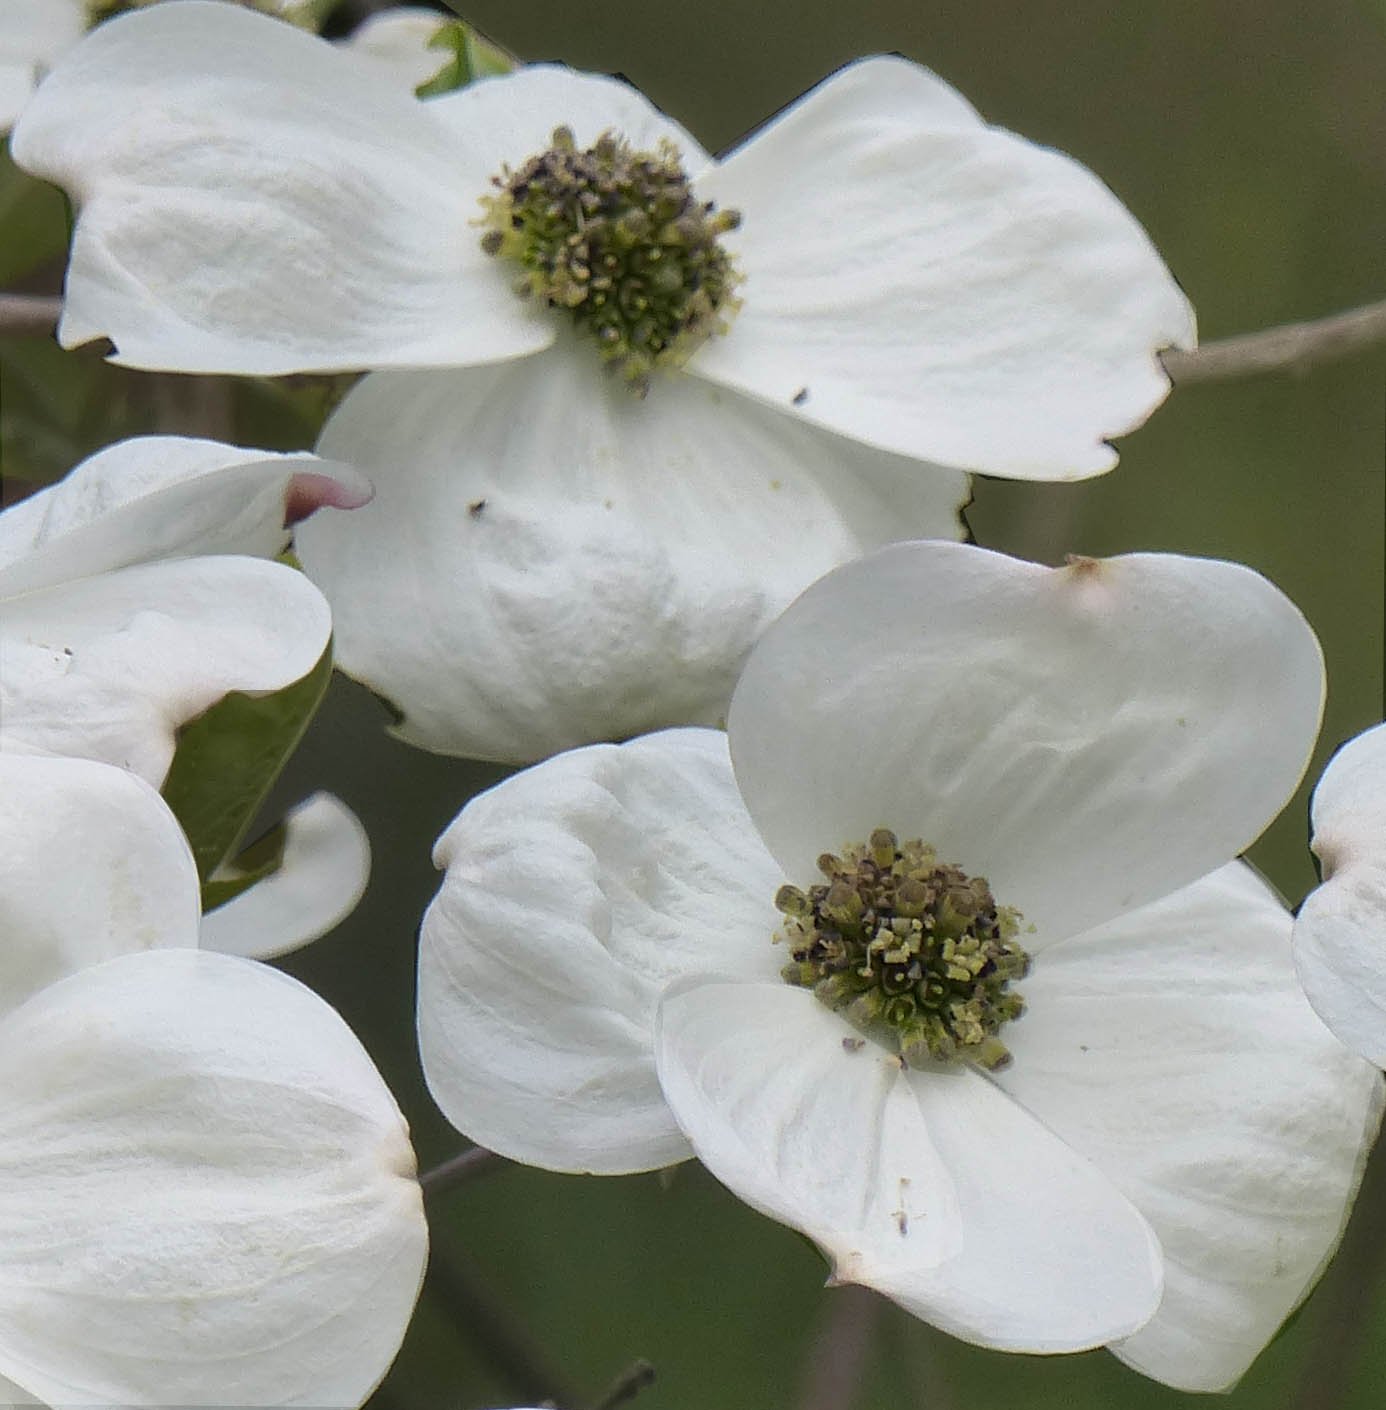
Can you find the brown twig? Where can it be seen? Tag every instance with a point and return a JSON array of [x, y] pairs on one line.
[[454, 1286], [627, 1385], [194, 406], [1292, 347], [1334, 1361], [833, 1372], [459, 1169], [29, 315]]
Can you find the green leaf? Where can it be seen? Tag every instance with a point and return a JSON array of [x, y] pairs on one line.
[[261, 859], [472, 56], [313, 14], [225, 762], [57, 407], [33, 220]]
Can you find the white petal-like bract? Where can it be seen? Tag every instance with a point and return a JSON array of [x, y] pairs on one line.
[[322, 874], [937, 287], [346, 242], [1077, 735], [1175, 1048], [1340, 932], [207, 1195], [32, 35], [573, 894], [400, 40], [514, 116], [92, 865], [109, 667], [931, 1187], [548, 561], [154, 497]]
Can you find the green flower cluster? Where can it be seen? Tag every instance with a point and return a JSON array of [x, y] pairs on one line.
[[616, 236], [911, 951]]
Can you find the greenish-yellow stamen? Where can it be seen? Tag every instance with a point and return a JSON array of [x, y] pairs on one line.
[[616, 237], [910, 950]]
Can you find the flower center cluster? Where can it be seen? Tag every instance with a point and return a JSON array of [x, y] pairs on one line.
[[616, 236], [910, 950]]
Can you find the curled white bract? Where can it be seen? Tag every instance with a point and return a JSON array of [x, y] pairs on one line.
[[135, 593]]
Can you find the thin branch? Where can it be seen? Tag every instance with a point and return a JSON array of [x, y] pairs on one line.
[[460, 1169], [194, 406], [1333, 1365], [1292, 347], [29, 315], [834, 1371], [452, 1284], [627, 1385], [920, 1351]]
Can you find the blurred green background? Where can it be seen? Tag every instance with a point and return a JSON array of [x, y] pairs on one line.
[[1250, 138]]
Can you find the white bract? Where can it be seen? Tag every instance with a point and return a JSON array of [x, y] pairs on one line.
[[32, 35], [1340, 932], [1168, 1160], [207, 1194], [910, 295], [134, 594], [400, 40], [130, 602], [322, 874]]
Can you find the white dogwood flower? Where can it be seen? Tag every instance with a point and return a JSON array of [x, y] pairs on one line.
[[207, 1194], [833, 323], [953, 780], [1340, 932], [931, 285], [134, 594]]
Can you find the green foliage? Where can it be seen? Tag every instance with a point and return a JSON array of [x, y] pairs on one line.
[[224, 765], [56, 409], [472, 56], [33, 216], [262, 858]]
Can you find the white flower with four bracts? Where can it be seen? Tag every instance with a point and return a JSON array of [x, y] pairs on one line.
[[550, 559], [1340, 931], [135, 594], [207, 1193], [1166, 1164]]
